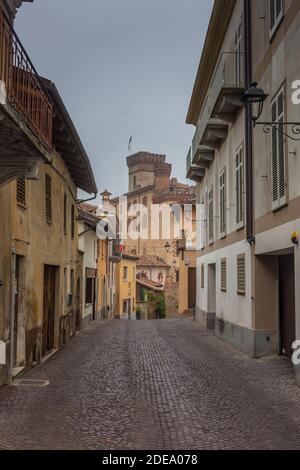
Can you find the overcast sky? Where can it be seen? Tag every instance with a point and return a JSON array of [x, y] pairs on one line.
[[122, 67]]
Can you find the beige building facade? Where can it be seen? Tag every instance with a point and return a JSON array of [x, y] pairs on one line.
[[40, 294], [247, 263]]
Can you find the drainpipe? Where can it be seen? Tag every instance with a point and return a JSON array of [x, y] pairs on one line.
[[248, 125], [12, 313]]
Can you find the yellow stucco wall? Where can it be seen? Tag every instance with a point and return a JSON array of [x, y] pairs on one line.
[[27, 233], [126, 289]]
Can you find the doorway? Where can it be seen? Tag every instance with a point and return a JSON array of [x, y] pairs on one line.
[[212, 293], [49, 308], [19, 314], [192, 285], [78, 306], [287, 321]]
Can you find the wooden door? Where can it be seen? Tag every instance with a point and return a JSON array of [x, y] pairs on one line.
[[16, 314], [191, 287], [287, 304], [48, 308]]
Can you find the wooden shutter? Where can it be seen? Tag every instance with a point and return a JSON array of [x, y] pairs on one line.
[[239, 177], [223, 274], [73, 222], [278, 153], [21, 191], [65, 213], [223, 202], [48, 198], [202, 276], [211, 214], [241, 274]]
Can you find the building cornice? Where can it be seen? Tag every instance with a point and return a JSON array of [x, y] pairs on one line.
[[219, 22]]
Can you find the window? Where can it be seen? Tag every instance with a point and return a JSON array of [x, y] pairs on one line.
[[134, 182], [48, 198], [223, 274], [65, 214], [238, 56], [239, 183], [241, 274], [202, 276], [276, 15], [279, 197], [223, 203], [125, 273], [211, 214], [177, 275], [73, 222], [21, 191]]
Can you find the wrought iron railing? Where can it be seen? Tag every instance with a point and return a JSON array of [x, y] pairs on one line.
[[229, 73], [24, 89]]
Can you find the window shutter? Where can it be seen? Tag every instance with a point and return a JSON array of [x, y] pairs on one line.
[[65, 214], [239, 169], [276, 14], [73, 222], [223, 274], [223, 202], [241, 274], [48, 198], [278, 153], [21, 191], [202, 276], [211, 214]]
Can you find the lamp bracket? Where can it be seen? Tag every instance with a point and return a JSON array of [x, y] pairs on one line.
[[293, 132]]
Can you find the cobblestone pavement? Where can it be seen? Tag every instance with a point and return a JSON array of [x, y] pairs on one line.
[[152, 385]]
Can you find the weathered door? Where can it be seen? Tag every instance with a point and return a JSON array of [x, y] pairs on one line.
[[287, 303], [48, 308], [16, 317], [191, 287]]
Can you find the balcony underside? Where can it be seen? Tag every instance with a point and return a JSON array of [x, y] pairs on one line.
[[203, 156], [214, 134], [195, 173], [228, 103], [20, 150]]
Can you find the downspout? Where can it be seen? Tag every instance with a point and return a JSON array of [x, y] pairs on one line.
[[12, 312], [248, 125]]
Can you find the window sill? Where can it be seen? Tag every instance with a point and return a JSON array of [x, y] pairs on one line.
[[240, 226]]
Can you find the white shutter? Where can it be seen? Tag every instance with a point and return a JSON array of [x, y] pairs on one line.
[[279, 186], [223, 202], [276, 14]]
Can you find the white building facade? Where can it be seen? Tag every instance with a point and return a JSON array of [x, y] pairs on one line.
[[249, 207]]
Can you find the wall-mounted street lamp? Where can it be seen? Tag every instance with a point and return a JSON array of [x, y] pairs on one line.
[[254, 99], [167, 247]]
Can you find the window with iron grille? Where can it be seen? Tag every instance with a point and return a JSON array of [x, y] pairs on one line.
[[73, 222], [202, 276], [211, 214], [65, 214], [48, 198], [239, 182], [223, 274], [21, 191], [241, 274], [223, 213], [276, 14], [279, 193]]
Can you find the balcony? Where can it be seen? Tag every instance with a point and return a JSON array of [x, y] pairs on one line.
[[193, 172], [209, 134], [26, 110], [228, 86]]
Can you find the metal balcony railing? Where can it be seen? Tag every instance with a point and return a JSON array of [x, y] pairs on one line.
[[229, 74], [24, 89], [189, 161], [203, 122]]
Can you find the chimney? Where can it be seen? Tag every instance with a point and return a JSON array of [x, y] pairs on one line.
[[162, 173]]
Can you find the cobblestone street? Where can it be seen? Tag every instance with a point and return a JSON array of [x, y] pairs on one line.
[[152, 385]]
